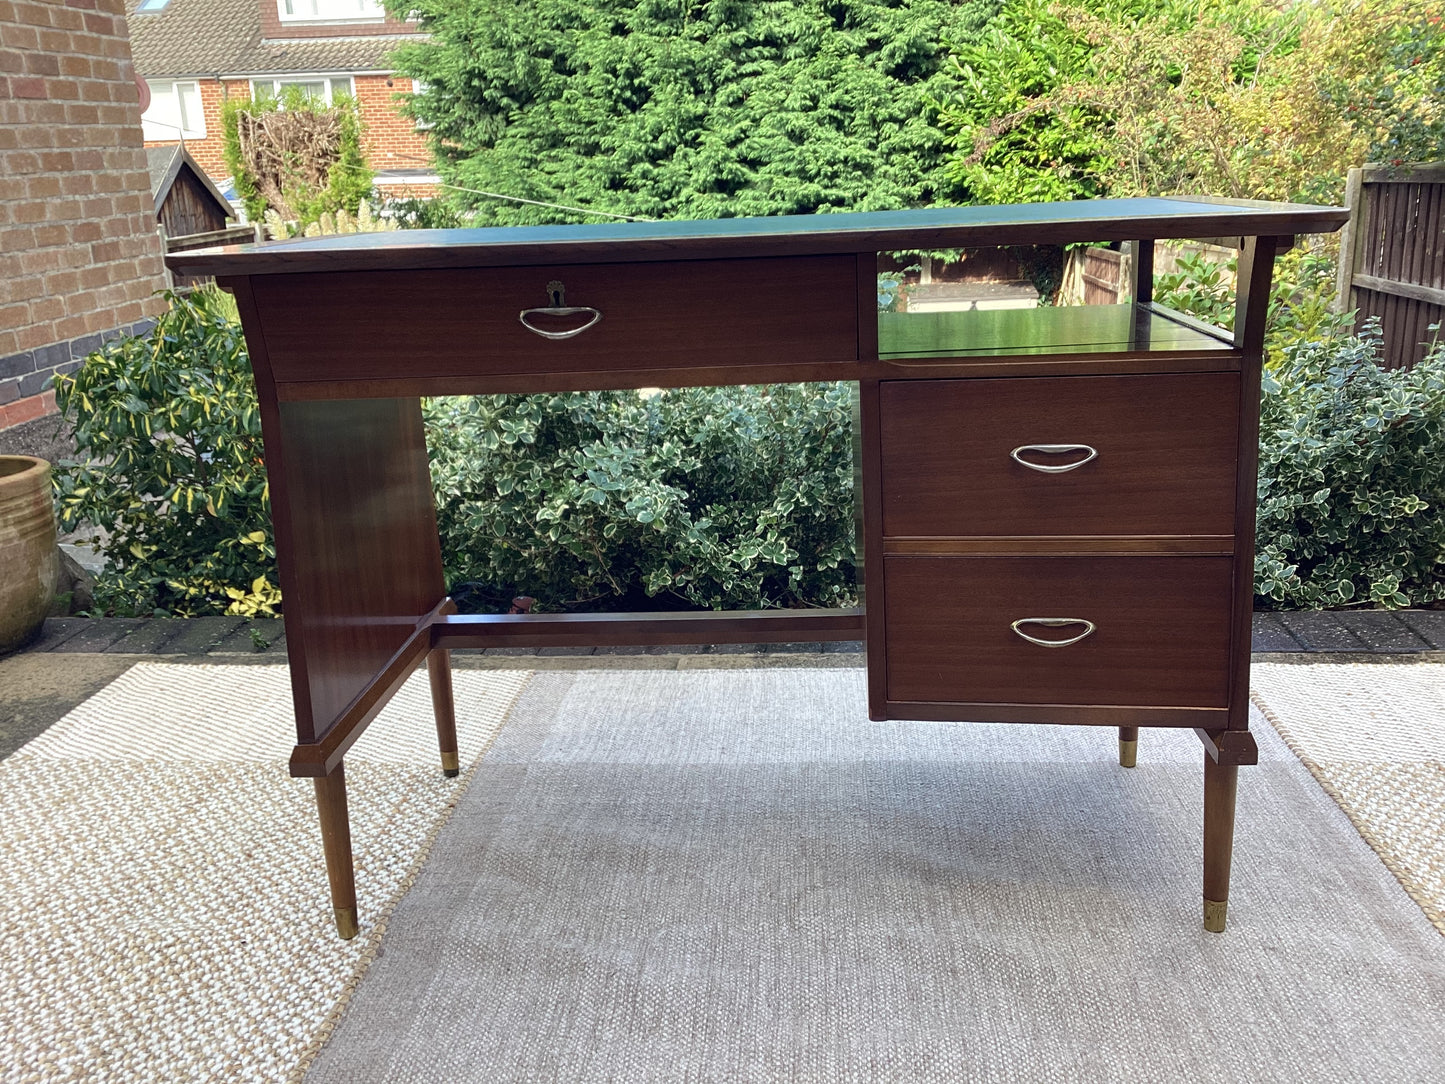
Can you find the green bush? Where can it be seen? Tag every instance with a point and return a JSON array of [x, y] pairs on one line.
[[169, 466], [1301, 296], [738, 498], [1351, 478], [295, 156]]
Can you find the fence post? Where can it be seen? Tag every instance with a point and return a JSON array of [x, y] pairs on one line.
[[1350, 241]]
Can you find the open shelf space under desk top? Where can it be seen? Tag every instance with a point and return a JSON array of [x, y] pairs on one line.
[[1075, 329]]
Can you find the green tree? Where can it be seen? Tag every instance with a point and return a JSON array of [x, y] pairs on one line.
[[686, 108], [1246, 98], [295, 156], [1011, 143]]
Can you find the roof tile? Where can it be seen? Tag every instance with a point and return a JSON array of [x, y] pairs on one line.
[[223, 37]]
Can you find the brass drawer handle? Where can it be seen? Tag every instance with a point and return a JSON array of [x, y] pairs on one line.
[[1053, 449], [1053, 622], [556, 294]]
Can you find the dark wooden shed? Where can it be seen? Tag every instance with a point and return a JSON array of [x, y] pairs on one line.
[[190, 208], [186, 200]]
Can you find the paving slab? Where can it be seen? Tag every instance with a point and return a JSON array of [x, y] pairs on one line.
[[843, 647], [38, 688], [566, 651], [272, 633], [152, 636], [202, 634], [57, 630], [1429, 625], [1382, 631], [1321, 631], [98, 634], [736, 649], [776, 660], [1271, 635]]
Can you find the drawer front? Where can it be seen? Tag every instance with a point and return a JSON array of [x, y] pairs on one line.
[[380, 324], [1161, 635], [1166, 449]]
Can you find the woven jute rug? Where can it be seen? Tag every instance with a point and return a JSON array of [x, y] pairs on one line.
[[164, 915], [1374, 737], [735, 876]]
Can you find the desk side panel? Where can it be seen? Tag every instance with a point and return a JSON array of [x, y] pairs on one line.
[[364, 561]]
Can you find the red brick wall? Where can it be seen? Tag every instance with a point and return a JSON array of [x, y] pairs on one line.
[[77, 223], [391, 141]]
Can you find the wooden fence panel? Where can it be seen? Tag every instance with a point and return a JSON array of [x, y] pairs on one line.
[[230, 235], [1103, 277], [1392, 255]]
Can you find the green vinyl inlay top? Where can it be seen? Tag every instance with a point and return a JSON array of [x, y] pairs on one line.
[[922, 228]]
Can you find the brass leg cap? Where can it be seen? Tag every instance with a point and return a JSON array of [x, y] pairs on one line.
[[346, 925], [451, 764], [1214, 915], [1128, 753]]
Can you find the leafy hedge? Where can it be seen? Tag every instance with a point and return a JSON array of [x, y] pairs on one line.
[[169, 466], [1351, 478], [704, 497], [738, 498]]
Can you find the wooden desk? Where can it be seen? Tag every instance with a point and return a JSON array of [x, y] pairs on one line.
[[1008, 579]]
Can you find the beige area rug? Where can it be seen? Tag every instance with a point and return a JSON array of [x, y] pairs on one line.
[[735, 876], [1374, 737], [164, 915]]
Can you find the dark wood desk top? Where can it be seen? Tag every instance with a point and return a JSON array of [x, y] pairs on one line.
[[877, 231]]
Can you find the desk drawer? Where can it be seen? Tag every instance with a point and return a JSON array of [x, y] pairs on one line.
[[1161, 636], [1165, 466], [388, 324]]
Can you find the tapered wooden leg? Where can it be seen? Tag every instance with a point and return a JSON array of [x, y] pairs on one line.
[[336, 841], [1220, 781], [443, 706], [1128, 746]]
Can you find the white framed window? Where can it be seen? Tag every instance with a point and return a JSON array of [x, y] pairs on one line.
[[320, 87], [330, 11], [418, 87], [175, 112]]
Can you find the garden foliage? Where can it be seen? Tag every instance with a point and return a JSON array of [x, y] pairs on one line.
[[738, 498], [1351, 479], [169, 466], [685, 108], [295, 157], [1244, 98], [1301, 298], [705, 497]]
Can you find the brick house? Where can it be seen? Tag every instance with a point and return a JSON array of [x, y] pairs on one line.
[[81, 255], [194, 54]]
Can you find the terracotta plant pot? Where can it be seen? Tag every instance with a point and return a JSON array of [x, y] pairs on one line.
[[29, 561]]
